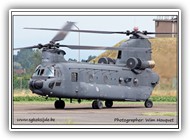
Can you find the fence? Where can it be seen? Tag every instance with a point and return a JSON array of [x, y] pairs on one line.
[[20, 83]]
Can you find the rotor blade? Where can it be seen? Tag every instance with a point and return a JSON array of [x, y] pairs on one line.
[[142, 35], [98, 32], [103, 48], [84, 31], [63, 33], [29, 47], [159, 33], [92, 47], [95, 31]]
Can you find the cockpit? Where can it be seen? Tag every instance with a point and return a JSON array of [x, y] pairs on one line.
[[49, 71], [49, 75], [44, 71]]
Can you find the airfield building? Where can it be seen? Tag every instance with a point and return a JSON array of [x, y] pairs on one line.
[[166, 24]]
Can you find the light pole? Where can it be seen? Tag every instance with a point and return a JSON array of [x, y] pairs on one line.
[[78, 42]]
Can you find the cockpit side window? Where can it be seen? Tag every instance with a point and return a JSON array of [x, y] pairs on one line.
[[37, 71], [42, 72], [58, 72]]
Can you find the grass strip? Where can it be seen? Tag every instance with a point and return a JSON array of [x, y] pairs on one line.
[[40, 98], [171, 114]]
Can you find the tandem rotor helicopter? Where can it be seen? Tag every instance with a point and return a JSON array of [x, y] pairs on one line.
[[128, 78]]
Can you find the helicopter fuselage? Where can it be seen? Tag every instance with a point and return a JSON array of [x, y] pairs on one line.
[[127, 77], [93, 81]]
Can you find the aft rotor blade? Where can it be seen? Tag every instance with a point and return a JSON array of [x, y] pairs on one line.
[[159, 33], [142, 35], [100, 32], [84, 31], [63, 32]]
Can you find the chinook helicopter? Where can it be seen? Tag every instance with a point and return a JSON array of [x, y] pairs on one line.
[[128, 78]]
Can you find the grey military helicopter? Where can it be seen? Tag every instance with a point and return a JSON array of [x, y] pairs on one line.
[[128, 78]]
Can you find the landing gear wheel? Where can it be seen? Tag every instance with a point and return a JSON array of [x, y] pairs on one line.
[[109, 103], [97, 104], [148, 104], [94, 104], [59, 104]]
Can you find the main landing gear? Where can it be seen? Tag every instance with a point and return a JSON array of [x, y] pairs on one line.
[[108, 103], [97, 104], [59, 104]]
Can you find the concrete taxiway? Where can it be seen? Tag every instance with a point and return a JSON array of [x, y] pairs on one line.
[[120, 113]]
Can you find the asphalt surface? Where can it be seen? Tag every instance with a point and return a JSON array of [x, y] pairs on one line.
[[120, 113]]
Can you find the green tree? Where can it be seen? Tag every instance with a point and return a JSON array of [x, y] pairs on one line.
[[17, 65], [24, 57], [36, 60], [28, 59], [90, 58], [74, 60]]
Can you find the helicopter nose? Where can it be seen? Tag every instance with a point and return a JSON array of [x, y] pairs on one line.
[[38, 84]]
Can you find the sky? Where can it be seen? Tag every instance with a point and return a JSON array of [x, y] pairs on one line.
[[24, 38]]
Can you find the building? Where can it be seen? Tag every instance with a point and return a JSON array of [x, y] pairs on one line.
[[19, 71], [166, 24]]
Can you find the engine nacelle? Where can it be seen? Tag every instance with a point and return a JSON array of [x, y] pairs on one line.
[[106, 60], [136, 63]]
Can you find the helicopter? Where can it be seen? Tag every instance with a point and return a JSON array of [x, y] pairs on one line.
[[129, 77]]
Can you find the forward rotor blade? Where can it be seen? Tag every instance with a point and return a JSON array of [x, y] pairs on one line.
[[84, 31], [63, 33], [98, 32], [92, 47], [29, 47], [101, 48]]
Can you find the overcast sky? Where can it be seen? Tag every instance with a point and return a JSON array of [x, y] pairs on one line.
[[23, 37]]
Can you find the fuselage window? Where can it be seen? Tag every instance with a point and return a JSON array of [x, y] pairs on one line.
[[105, 79], [119, 54], [74, 76]]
